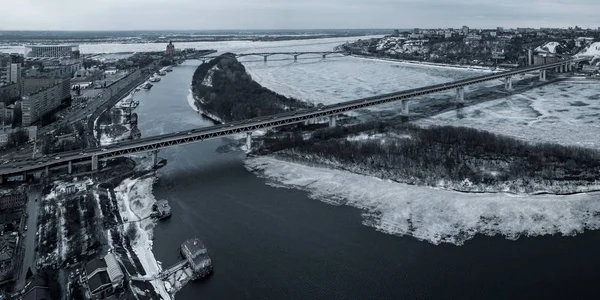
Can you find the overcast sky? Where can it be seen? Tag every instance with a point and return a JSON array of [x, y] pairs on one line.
[[293, 14]]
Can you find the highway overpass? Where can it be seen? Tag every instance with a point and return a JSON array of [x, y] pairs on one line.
[[155, 143]]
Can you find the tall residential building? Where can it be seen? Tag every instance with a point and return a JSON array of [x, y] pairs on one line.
[[14, 73], [465, 30], [42, 95]]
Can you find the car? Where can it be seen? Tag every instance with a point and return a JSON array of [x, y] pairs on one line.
[[57, 158], [190, 132], [103, 149], [25, 228]]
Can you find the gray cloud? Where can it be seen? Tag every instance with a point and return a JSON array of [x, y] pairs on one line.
[[293, 14]]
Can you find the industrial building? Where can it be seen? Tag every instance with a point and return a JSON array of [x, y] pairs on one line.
[[103, 276]]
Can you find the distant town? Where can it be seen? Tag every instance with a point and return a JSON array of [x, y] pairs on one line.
[[483, 47]]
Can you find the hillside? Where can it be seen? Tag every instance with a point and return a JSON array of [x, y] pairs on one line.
[[223, 88]]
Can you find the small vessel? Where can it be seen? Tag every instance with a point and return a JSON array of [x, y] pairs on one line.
[[161, 209], [168, 69], [194, 251], [154, 79], [162, 73], [147, 86]]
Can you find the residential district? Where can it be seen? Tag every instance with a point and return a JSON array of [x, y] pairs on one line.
[[50, 96]]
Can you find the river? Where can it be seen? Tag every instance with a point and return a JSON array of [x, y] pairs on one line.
[[278, 243]]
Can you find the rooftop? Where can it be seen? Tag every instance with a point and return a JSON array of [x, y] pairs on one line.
[[98, 280], [194, 246], [94, 264]]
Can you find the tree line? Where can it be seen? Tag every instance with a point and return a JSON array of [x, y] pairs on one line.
[[233, 95], [427, 155]]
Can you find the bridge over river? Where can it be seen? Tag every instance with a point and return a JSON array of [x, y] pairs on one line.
[[154, 143]]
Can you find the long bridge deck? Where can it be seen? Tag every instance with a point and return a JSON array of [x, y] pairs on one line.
[[155, 143]]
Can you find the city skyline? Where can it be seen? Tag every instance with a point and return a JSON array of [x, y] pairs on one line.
[[279, 14]]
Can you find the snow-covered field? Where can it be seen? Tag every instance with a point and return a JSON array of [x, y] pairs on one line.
[[567, 113], [433, 215]]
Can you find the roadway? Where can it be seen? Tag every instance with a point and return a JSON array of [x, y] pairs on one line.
[[282, 119], [29, 236]]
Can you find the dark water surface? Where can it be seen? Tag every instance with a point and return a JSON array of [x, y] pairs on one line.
[[276, 243]]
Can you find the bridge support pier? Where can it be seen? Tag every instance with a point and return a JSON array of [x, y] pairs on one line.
[[508, 83], [542, 75], [404, 104], [295, 57], [265, 57], [70, 168], [94, 162], [557, 69], [154, 158], [248, 141], [324, 56], [47, 171], [332, 121], [460, 94]]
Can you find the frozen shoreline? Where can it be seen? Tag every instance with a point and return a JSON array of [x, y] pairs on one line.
[[427, 64], [135, 200], [192, 102], [434, 215]]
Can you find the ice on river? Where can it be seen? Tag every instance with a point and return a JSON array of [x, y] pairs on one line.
[[433, 215], [566, 113]]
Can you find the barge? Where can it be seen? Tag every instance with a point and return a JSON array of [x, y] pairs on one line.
[[161, 209], [196, 254]]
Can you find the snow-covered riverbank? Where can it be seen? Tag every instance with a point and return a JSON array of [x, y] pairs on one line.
[[135, 200], [433, 215]]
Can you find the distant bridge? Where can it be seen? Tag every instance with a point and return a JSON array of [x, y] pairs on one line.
[[323, 54], [154, 143]]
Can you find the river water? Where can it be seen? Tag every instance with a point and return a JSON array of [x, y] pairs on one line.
[[277, 243]]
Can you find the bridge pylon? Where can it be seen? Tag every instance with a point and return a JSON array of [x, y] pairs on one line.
[[94, 162], [249, 141], [460, 94], [404, 105], [332, 121], [542, 75], [508, 83], [154, 158]]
